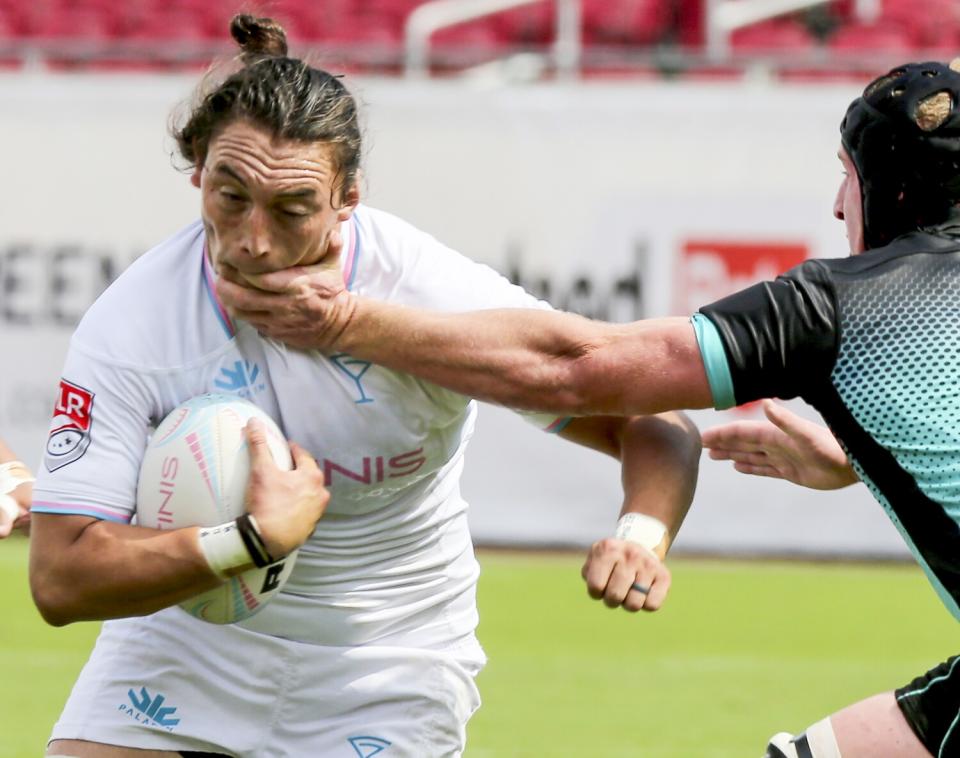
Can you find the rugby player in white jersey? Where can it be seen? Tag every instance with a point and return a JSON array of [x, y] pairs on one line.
[[371, 647]]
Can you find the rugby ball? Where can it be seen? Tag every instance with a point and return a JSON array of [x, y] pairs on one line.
[[194, 473]]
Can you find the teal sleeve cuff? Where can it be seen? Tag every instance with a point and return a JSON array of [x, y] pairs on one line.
[[715, 361]]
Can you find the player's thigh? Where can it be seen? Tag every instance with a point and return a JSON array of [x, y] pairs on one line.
[[85, 749], [874, 727]]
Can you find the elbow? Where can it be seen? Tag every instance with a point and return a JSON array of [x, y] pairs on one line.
[[55, 603], [688, 433]]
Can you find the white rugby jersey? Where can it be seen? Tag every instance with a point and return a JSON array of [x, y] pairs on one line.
[[391, 561]]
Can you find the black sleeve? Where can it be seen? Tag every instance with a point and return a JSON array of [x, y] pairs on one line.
[[780, 337]]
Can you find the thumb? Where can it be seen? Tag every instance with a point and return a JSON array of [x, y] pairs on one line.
[[256, 435], [787, 421]]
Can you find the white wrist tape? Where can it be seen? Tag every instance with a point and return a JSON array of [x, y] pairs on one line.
[[640, 528], [9, 507], [224, 549], [12, 475]]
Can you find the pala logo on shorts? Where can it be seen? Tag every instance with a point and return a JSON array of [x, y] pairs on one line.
[[70, 429], [367, 747], [149, 709]]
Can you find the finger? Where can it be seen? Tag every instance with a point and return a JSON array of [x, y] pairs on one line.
[[658, 590], [598, 566], [260, 455], [278, 282], [621, 580], [637, 594], [244, 298], [747, 468], [719, 454], [596, 574], [785, 420], [739, 434], [754, 459], [302, 460]]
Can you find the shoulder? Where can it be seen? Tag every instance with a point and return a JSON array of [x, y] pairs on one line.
[[153, 313], [386, 237]]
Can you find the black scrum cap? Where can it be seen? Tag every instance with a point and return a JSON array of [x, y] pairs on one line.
[[903, 135]]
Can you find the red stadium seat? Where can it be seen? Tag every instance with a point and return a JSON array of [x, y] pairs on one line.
[[880, 37], [773, 36], [479, 35], [531, 24], [931, 23], [76, 23], [637, 22]]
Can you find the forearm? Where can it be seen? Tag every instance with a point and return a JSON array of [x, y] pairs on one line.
[[537, 360], [660, 461], [106, 570]]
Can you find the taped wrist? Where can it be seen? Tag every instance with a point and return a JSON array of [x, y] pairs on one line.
[[643, 529], [232, 547], [12, 475], [9, 507]]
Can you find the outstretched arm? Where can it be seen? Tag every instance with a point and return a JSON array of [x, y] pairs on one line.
[[529, 359], [785, 446]]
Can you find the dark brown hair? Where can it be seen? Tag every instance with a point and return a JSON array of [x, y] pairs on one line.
[[285, 96]]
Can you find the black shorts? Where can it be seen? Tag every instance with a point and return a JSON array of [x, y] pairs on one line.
[[931, 705]]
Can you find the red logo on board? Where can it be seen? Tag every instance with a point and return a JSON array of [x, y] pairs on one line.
[[711, 269]]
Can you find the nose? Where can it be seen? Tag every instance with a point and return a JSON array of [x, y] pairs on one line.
[[256, 237], [838, 201]]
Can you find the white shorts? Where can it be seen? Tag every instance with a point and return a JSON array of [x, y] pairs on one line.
[[170, 682]]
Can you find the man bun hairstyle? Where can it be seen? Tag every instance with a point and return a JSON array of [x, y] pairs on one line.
[[258, 37], [284, 96], [903, 136]]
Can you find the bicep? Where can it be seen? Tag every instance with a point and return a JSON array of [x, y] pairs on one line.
[[643, 368]]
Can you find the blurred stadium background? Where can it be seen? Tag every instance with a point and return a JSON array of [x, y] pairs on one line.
[[622, 158]]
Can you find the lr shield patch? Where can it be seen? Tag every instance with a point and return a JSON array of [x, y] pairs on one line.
[[69, 435]]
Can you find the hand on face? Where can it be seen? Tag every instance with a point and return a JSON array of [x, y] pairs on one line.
[[302, 306]]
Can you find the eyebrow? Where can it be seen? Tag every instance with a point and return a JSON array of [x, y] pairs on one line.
[[305, 192]]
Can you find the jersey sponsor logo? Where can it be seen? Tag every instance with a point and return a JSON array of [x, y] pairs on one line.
[[240, 378], [69, 435], [367, 747], [354, 368], [149, 710], [711, 269], [375, 469], [168, 481]]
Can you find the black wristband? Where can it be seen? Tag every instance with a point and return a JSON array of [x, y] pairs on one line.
[[252, 539]]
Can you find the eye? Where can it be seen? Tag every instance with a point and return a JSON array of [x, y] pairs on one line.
[[231, 196]]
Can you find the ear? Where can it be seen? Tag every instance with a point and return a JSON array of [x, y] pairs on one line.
[[351, 198], [195, 176]]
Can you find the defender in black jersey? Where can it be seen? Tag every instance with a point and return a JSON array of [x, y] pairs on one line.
[[872, 341]]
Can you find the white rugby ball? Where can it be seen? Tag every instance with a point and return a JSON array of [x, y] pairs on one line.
[[194, 473]]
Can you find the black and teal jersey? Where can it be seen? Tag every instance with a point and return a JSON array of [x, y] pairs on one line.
[[873, 343]]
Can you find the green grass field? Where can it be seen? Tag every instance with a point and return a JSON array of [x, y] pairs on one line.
[[741, 650]]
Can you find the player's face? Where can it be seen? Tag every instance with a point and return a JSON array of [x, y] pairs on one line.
[[268, 203], [848, 207]]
